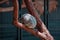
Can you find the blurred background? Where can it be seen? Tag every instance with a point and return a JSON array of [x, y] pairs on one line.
[[50, 17]]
